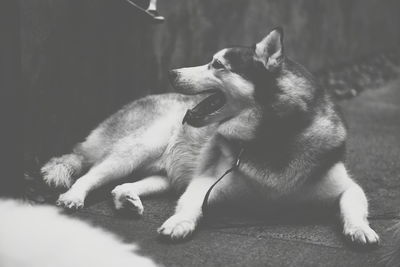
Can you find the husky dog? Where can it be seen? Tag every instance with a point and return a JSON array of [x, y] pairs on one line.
[[253, 99]]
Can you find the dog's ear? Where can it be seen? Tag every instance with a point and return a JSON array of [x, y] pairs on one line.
[[269, 50]]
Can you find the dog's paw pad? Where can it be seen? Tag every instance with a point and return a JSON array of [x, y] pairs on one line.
[[70, 201], [363, 235], [125, 199], [177, 228]]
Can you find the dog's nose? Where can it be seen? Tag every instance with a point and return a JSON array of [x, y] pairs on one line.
[[172, 74]]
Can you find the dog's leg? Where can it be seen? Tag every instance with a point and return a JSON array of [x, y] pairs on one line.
[[354, 212], [188, 210], [62, 171], [127, 155], [353, 206], [353, 203], [128, 195], [111, 168], [124, 160], [215, 161]]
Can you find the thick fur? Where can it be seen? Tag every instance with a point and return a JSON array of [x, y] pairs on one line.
[[39, 236], [291, 132]]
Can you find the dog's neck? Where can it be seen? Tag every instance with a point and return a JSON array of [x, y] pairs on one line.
[[242, 127], [262, 136]]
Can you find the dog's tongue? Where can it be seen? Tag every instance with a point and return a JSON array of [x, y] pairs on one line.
[[209, 105]]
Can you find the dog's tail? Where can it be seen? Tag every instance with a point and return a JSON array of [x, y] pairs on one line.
[[61, 171], [391, 256]]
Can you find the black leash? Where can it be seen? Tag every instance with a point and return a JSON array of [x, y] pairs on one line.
[[235, 166]]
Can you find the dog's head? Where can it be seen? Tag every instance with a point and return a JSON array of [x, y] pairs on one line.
[[237, 79]]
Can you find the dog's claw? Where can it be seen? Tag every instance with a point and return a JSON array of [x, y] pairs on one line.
[[362, 235], [70, 200], [124, 197], [176, 228]]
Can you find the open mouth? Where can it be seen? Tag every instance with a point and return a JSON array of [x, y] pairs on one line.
[[196, 116]]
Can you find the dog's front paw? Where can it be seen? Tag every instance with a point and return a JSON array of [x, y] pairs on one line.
[[361, 234], [177, 227], [124, 197], [71, 200]]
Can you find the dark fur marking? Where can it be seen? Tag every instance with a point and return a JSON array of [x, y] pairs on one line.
[[280, 129]]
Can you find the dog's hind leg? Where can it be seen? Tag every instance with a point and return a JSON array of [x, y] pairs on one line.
[[111, 168], [127, 156], [127, 196], [62, 171]]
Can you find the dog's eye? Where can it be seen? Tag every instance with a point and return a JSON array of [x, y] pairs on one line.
[[216, 64]]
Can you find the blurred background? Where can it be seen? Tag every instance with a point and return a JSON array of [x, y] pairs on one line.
[[82, 60]]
